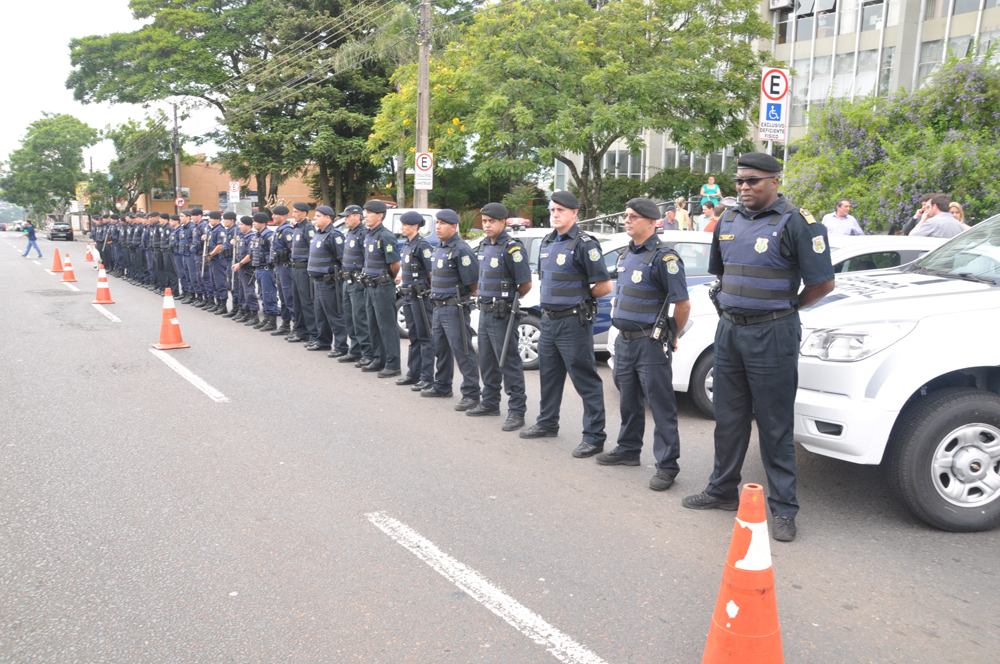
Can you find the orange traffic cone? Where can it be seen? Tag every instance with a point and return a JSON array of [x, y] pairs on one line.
[[68, 270], [56, 263], [745, 625], [103, 292], [170, 329], [89, 255]]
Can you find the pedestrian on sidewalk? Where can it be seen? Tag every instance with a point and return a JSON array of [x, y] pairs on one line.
[[29, 230], [840, 222]]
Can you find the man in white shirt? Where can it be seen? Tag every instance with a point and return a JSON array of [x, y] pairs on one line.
[[840, 221], [938, 222]]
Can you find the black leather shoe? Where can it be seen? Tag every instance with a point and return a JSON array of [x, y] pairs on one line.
[[349, 358], [422, 385], [481, 410], [407, 380], [337, 353], [431, 393], [703, 501], [363, 362], [388, 373], [612, 459], [317, 347], [584, 450], [371, 367], [784, 528], [513, 423], [295, 340], [465, 403], [535, 431], [661, 481]]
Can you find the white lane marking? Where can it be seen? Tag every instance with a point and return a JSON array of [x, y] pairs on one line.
[[50, 272], [472, 582], [190, 377], [111, 316], [36, 263], [70, 286]]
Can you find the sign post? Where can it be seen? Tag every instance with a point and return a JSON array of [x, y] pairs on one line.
[[423, 172], [772, 125], [179, 202], [234, 192]]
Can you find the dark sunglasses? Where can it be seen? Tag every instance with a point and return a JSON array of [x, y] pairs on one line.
[[753, 182]]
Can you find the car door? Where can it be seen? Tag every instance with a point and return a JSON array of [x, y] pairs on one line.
[[876, 260]]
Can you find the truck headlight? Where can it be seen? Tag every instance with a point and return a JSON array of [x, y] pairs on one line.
[[851, 343]]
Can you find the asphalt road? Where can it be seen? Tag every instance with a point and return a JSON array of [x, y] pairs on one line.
[[141, 521]]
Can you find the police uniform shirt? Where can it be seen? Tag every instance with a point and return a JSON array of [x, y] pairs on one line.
[[587, 257], [380, 236], [330, 241], [217, 235], [281, 243], [803, 243], [515, 258], [460, 256], [417, 257], [666, 271]]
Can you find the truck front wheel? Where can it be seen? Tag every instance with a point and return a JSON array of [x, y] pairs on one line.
[[944, 459]]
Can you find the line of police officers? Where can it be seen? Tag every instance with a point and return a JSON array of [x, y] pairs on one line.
[[337, 293]]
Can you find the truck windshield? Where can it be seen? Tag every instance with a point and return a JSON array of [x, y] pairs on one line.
[[973, 254]]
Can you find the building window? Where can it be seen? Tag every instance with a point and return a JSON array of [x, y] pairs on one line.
[[871, 15], [784, 28], [867, 76], [848, 16], [966, 6], [684, 159], [960, 46], [986, 40], [699, 163], [611, 162], [935, 9], [669, 157], [560, 183], [819, 89], [930, 57], [635, 165], [715, 161], [893, 15], [885, 70], [804, 20]]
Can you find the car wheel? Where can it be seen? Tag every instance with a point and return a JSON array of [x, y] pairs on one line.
[[401, 319], [944, 459], [701, 384], [529, 329]]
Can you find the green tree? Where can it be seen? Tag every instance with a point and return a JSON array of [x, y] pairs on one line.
[[535, 81], [885, 153], [42, 174], [143, 155]]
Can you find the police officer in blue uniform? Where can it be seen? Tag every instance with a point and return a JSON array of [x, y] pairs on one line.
[[232, 253], [187, 268], [503, 272], [414, 279], [761, 250], [262, 260], [113, 238], [572, 276], [146, 244], [244, 272], [281, 253], [155, 237], [454, 280], [169, 269], [174, 242], [200, 279], [325, 253], [361, 351], [215, 272], [650, 278], [302, 297], [379, 280]]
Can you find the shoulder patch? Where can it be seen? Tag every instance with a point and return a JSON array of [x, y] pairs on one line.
[[340, 240], [466, 261], [388, 247], [594, 255], [808, 217], [518, 257], [311, 232], [427, 253], [672, 266], [819, 246]]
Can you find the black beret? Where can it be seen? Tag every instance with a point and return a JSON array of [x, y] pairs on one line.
[[175, 217], [195, 212], [376, 206], [246, 220], [215, 214], [565, 199], [279, 209], [261, 218], [186, 213], [164, 215], [325, 209], [495, 210], [349, 210], [447, 216], [115, 217], [759, 161], [229, 215], [412, 218], [644, 207], [301, 207]]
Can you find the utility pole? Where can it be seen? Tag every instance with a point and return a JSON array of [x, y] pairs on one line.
[[423, 92], [177, 160]]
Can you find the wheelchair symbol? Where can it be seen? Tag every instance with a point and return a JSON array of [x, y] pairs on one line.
[[774, 112]]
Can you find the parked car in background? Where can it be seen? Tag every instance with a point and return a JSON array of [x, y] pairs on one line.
[[391, 221], [60, 230], [519, 223]]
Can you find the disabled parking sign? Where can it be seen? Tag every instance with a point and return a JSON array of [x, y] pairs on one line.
[[774, 99]]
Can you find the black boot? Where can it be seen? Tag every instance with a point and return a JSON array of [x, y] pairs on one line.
[[232, 313], [241, 316], [220, 307], [261, 321], [253, 318], [204, 302], [211, 305], [270, 325], [284, 329]]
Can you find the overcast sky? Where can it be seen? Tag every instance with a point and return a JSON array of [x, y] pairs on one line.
[[34, 51]]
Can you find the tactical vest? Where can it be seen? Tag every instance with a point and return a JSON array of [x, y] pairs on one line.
[[636, 297], [444, 272], [188, 238], [413, 271], [562, 284], [491, 271], [281, 244], [217, 236], [756, 275], [246, 244], [375, 260], [321, 261], [354, 249], [301, 241], [175, 240], [199, 245], [262, 248]]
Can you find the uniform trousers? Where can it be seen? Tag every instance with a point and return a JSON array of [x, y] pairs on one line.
[[756, 373], [170, 273], [420, 356], [218, 269], [268, 290], [150, 270], [643, 375], [181, 270], [356, 319], [380, 305], [286, 287], [248, 282], [564, 347], [491, 335], [192, 265], [303, 309], [235, 286], [449, 349], [330, 328]]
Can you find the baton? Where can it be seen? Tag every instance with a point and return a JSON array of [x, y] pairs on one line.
[[338, 284], [204, 251], [461, 318], [423, 312], [515, 307]]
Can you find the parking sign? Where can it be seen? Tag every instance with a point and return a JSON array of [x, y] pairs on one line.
[[774, 103], [423, 171]]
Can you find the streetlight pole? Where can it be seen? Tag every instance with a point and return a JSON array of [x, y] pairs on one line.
[[177, 160]]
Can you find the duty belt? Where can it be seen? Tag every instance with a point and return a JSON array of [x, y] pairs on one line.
[[450, 302], [753, 320], [556, 315], [282, 264], [636, 334], [300, 266]]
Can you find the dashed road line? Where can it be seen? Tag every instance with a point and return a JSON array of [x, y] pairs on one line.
[[70, 286], [111, 316], [562, 647], [190, 377]]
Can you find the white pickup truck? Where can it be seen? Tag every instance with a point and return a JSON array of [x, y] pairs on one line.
[[902, 366]]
